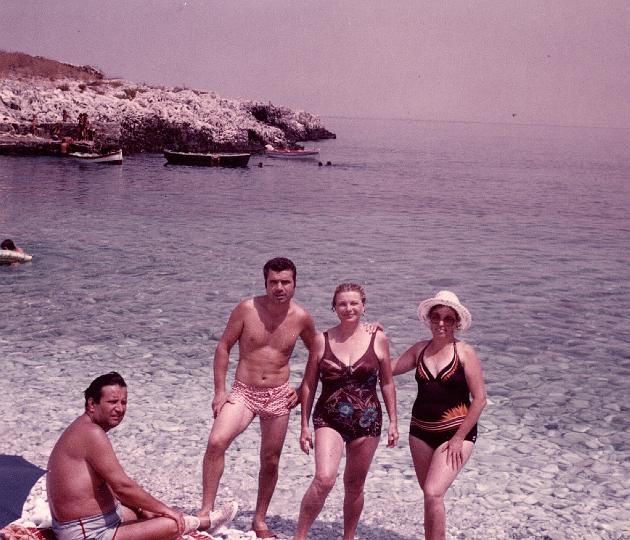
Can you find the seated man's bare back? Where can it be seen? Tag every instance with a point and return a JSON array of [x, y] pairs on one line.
[[75, 489]]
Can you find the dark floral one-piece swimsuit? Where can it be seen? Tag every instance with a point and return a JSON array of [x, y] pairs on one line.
[[348, 402]]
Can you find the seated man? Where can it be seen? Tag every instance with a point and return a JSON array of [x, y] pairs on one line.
[[86, 484]]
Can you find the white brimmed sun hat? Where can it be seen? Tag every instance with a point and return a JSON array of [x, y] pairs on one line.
[[449, 299]]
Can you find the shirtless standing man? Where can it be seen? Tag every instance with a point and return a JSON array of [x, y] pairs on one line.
[[86, 484], [266, 329]]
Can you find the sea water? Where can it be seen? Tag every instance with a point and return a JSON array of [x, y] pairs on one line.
[[136, 268]]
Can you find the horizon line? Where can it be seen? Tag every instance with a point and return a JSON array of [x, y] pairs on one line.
[[436, 121]]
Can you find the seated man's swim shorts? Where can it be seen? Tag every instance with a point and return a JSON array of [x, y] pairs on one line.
[[99, 527], [262, 401]]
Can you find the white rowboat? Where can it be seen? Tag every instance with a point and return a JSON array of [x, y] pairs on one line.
[[286, 153], [113, 158]]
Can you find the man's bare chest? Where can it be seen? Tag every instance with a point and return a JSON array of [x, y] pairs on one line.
[[280, 333]]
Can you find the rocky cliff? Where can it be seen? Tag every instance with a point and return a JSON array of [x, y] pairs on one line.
[[37, 112]]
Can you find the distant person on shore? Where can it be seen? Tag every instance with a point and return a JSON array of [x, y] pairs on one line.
[[64, 147], [444, 420], [83, 126], [266, 328], [87, 487], [347, 415], [55, 131]]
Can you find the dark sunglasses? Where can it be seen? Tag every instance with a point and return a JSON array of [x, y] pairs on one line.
[[449, 320]]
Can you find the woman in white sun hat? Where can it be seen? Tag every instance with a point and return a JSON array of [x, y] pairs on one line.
[[444, 419]]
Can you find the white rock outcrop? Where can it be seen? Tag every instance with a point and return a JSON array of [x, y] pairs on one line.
[[139, 117]]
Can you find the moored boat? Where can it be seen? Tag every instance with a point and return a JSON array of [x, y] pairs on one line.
[[217, 159], [113, 158], [290, 153]]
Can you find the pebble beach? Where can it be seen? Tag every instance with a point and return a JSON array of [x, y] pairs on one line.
[[519, 483], [545, 281]]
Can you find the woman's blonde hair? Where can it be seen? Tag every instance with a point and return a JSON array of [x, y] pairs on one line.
[[348, 287]]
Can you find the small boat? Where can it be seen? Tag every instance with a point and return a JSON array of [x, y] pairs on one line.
[[289, 153], [113, 158], [220, 159]]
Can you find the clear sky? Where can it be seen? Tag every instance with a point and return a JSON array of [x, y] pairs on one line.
[[564, 62]]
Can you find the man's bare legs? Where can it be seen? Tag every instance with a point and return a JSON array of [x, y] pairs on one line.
[[158, 528], [435, 477], [273, 431], [359, 454], [231, 422]]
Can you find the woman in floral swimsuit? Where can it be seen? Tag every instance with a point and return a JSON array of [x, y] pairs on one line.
[[349, 360]]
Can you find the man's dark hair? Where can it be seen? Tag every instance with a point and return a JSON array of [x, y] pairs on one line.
[[8, 244], [278, 265], [93, 391]]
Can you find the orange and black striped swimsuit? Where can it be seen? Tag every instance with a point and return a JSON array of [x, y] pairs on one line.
[[442, 402]]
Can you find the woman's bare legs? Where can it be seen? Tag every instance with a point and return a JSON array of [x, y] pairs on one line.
[[328, 451], [435, 477], [359, 454]]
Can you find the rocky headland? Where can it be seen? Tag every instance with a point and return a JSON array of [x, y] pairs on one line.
[[43, 101]]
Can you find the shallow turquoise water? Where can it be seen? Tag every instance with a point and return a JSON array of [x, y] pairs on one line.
[[529, 225]]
